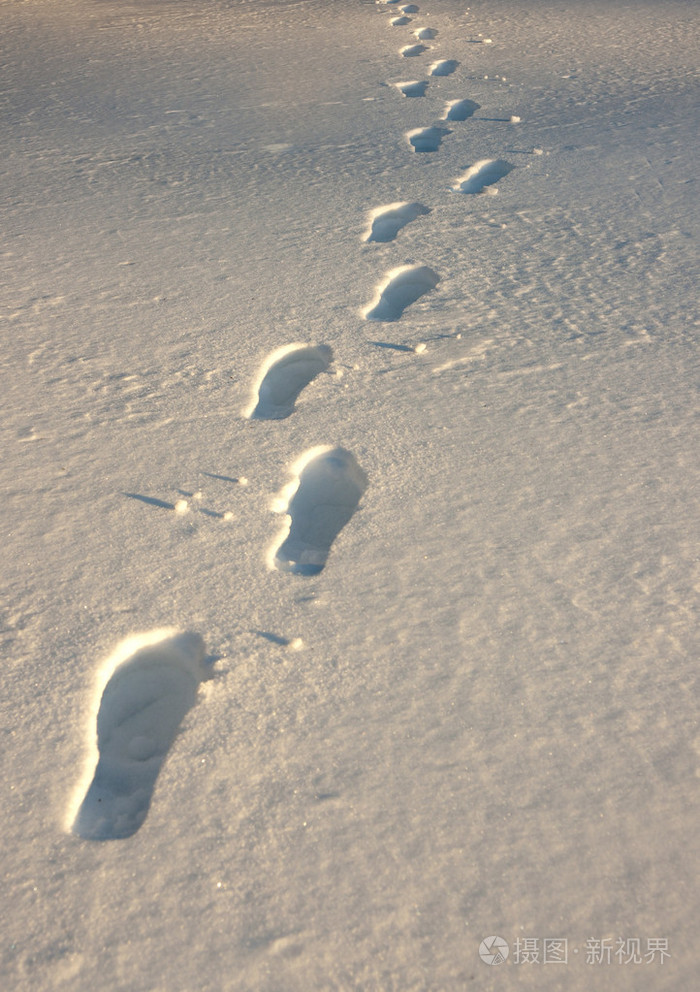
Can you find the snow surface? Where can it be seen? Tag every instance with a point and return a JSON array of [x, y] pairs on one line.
[[480, 718]]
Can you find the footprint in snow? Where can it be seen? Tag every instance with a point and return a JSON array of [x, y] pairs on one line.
[[425, 34], [426, 139], [397, 22], [460, 110], [329, 488], [444, 67], [153, 682], [410, 8], [410, 51], [386, 222], [413, 88], [283, 376], [482, 174], [402, 287]]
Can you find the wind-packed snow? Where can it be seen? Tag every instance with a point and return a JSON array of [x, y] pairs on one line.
[[454, 699]]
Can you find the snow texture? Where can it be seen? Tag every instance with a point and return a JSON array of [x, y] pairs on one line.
[[474, 714]]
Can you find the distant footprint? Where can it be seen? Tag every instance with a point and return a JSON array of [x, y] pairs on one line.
[[410, 8], [397, 22], [444, 67], [401, 288], [426, 139], [413, 88], [386, 222], [460, 110], [409, 51], [330, 486], [153, 683], [482, 174], [284, 375], [425, 34]]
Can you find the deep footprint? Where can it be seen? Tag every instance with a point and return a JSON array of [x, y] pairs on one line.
[[386, 222], [425, 34], [413, 88], [426, 139], [445, 67], [402, 287], [398, 22], [409, 51], [482, 174], [331, 484], [153, 684], [284, 375], [461, 110]]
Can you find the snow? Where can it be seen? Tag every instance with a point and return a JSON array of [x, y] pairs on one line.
[[479, 716]]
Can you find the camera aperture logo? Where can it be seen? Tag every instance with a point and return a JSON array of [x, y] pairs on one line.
[[493, 950]]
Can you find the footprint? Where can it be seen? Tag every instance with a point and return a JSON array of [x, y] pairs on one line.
[[410, 8], [426, 139], [409, 51], [386, 222], [153, 683], [413, 88], [286, 372], [460, 110], [482, 174], [445, 67], [402, 287], [397, 22], [330, 486], [425, 34]]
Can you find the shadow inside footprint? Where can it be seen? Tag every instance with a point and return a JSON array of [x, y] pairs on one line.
[[445, 67], [410, 51], [331, 484], [284, 375], [413, 88], [482, 174], [386, 222], [402, 287], [461, 110], [148, 693], [427, 139]]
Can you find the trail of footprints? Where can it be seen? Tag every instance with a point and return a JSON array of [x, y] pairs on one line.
[[152, 681]]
